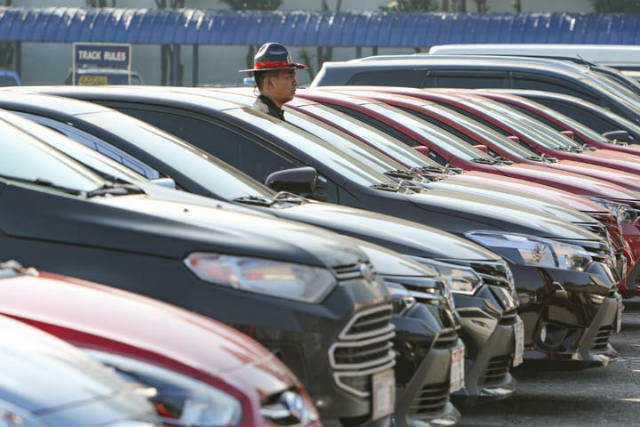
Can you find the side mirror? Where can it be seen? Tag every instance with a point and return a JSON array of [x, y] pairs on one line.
[[165, 182], [482, 148], [568, 133], [514, 139], [618, 135], [298, 180], [422, 149]]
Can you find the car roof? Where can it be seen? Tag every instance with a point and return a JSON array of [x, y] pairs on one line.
[[168, 95], [59, 105]]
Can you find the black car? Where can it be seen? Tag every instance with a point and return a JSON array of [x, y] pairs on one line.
[[205, 175], [486, 72], [259, 145], [305, 293]]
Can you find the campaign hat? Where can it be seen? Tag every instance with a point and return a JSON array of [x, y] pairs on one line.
[[272, 56]]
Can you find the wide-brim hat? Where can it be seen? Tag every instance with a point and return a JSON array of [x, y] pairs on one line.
[[272, 56]]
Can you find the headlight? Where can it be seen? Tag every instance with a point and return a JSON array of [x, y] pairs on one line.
[[461, 280], [536, 251], [623, 211], [279, 279], [180, 400], [401, 297], [14, 416]]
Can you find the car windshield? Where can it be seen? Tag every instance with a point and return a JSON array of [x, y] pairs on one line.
[[483, 131], [88, 157], [218, 177], [613, 90], [374, 137], [443, 139], [531, 128], [298, 139], [621, 121], [579, 127], [344, 142], [23, 157]]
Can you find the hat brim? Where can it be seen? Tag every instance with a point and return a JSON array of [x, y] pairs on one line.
[[289, 66]]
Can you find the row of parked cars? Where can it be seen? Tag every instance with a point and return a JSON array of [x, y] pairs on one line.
[[385, 250]]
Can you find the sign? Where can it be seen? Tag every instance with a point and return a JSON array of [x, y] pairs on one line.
[[101, 63]]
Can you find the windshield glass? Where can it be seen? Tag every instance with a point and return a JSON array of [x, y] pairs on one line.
[[343, 142], [298, 139], [443, 139], [218, 177], [88, 157], [24, 157], [376, 138], [614, 90], [579, 127], [485, 132], [531, 128]]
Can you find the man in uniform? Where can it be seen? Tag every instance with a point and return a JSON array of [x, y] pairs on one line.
[[275, 77]]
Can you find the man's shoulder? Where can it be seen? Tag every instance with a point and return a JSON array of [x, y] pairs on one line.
[[260, 105]]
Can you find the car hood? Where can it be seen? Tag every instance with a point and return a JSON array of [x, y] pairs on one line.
[[137, 223], [403, 236], [625, 179], [469, 213], [540, 191], [82, 313], [510, 195], [616, 157], [41, 373], [584, 184]]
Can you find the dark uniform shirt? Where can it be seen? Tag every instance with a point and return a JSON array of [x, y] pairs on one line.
[[266, 105]]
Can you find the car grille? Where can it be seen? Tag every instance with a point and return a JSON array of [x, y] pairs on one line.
[[509, 317], [497, 370], [495, 273], [447, 339], [432, 399], [602, 338], [600, 251], [277, 409], [352, 271], [363, 348]]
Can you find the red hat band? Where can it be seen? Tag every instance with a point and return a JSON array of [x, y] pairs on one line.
[[272, 64]]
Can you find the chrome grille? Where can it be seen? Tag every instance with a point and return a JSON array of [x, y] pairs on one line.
[[602, 338], [497, 370], [432, 399], [509, 317], [363, 348], [351, 271], [447, 339], [596, 228], [600, 251], [495, 273]]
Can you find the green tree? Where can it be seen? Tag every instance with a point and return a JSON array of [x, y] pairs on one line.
[[411, 6], [616, 6]]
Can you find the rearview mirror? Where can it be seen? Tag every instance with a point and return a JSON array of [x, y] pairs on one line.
[[422, 149], [568, 133], [482, 148], [618, 135], [298, 180]]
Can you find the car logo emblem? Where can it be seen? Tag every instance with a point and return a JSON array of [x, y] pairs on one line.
[[366, 272], [294, 403]]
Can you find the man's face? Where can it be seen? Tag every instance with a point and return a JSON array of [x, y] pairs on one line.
[[282, 86]]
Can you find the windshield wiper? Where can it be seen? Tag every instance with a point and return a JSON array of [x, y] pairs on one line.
[[503, 160], [484, 161], [285, 196], [386, 187], [254, 200], [109, 189], [45, 183], [399, 173]]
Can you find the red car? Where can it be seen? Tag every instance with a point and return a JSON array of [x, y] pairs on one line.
[[205, 373], [447, 148], [554, 119]]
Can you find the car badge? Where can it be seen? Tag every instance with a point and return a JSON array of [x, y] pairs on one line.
[[366, 272], [294, 404]]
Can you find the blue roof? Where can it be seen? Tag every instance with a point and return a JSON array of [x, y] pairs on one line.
[[302, 28]]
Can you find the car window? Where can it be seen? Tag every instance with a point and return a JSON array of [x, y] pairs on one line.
[[134, 168], [200, 166], [371, 135], [44, 162], [466, 79], [411, 78], [533, 81], [583, 115]]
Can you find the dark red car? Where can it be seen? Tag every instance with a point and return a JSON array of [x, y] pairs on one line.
[[446, 148], [205, 373]]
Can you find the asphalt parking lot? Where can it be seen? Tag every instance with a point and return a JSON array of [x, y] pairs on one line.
[[590, 397]]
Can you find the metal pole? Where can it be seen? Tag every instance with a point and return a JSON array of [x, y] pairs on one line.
[[194, 65], [19, 59], [359, 52], [374, 50], [175, 64]]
